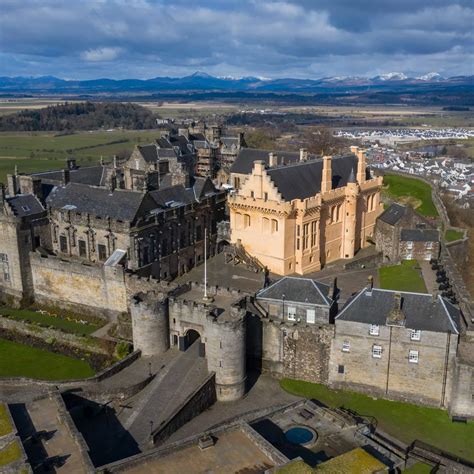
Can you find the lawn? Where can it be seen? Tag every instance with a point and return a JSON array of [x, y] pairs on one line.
[[412, 191], [403, 277], [21, 360], [72, 325], [5, 424], [451, 235], [10, 453], [42, 151], [404, 421], [418, 468]]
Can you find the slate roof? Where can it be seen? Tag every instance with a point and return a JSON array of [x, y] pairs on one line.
[[166, 153], [197, 137], [24, 205], [420, 310], [297, 290], [419, 235], [393, 214], [91, 175], [243, 163], [149, 153], [119, 204], [229, 141], [179, 194], [303, 179]]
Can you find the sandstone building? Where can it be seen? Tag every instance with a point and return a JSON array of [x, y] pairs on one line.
[[296, 218]]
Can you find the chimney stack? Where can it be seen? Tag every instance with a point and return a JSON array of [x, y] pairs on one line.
[[326, 179], [3, 195], [303, 154], [370, 285], [259, 167], [71, 164], [115, 162], [272, 160], [65, 177], [361, 165]]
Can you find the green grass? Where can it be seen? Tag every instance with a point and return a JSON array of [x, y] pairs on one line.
[[412, 191], [21, 360], [71, 326], [418, 468], [404, 421], [451, 235], [42, 151], [10, 453], [5, 424], [403, 277]]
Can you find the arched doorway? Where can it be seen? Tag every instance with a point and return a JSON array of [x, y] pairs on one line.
[[191, 337]]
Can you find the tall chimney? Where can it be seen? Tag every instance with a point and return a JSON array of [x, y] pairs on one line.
[[65, 177], [115, 162], [303, 154], [258, 167], [370, 284], [326, 179], [361, 166], [272, 160]]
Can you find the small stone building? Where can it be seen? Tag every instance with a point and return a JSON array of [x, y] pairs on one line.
[[396, 345], [403, 234]]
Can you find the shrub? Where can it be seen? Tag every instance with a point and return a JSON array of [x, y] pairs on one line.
[[122, 350]]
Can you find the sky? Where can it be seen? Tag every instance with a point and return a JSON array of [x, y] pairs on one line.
[[85, 39]]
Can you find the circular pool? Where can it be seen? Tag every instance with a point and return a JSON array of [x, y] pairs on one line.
[[300, 435]]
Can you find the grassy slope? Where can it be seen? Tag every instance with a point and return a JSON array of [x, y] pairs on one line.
[[399, 187], [44, 151], [452, 235], [402, 420], [10, 453], [72, 327], [5, 425], [19, 360], [403, 277]]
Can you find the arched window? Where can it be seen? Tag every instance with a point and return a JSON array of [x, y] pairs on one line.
[[238, 221], [246, 220], [338, 213], [274, 225], [266, 225]]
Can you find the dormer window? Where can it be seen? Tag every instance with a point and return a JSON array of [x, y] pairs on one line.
[[25, 208], [409, 244], [346, 346], [374, 330], [415, 334]]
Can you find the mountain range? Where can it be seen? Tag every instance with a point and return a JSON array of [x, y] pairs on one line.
[[200, 81]]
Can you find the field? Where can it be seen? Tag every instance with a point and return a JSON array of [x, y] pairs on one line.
[[404, 421], [38, 151], [70, 325], [20, 360], [410, 191], [403, 277]]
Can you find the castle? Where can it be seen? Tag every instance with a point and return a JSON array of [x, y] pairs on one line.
[[297, 217]]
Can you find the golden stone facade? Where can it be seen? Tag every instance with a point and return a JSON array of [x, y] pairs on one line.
[[326, 221]]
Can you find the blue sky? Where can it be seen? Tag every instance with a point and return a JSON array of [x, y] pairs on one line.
[[81, 39]]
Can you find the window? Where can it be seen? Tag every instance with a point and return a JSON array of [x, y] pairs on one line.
[[246, 220], [102, 249], [415, 334], [25, 208], [4, 267], [82, 248], [340, 369], [377, 352], [274, 226], [429, 245], [265, 225], [413, 357], [265, 196], [314, 228], [252, 194], [310, 316], [374, 330], [346, 346], [409, 244], [63, 243], [305, 236], [291, 313]]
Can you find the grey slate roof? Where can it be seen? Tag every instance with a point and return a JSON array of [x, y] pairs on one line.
[[149, 153], [297, 290], [166, 153], [303, 179], [419, 235], [243, 163], [91, 175], [120, 205], [420, 310], [179, 194], [229, 141], [393, 214], [24, 205]]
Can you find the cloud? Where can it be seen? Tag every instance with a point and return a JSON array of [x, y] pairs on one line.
[[101, 54], [301, 38]]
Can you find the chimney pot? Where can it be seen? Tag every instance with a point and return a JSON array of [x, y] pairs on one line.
[[272, 160]]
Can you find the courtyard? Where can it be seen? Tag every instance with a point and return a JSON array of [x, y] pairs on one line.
[[407, 276]]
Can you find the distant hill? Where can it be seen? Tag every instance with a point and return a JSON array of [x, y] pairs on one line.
[[80, 116]]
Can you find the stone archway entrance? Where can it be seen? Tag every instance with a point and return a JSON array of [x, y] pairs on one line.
[[189, 339]]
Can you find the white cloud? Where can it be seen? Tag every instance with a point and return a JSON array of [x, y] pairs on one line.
[[101, 54]]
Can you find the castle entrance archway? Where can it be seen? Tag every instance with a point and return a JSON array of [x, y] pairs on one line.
[[193, 338]]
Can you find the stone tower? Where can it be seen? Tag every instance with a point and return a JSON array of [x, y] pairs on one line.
[[225, 352], [350, 217], [150, 324]]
